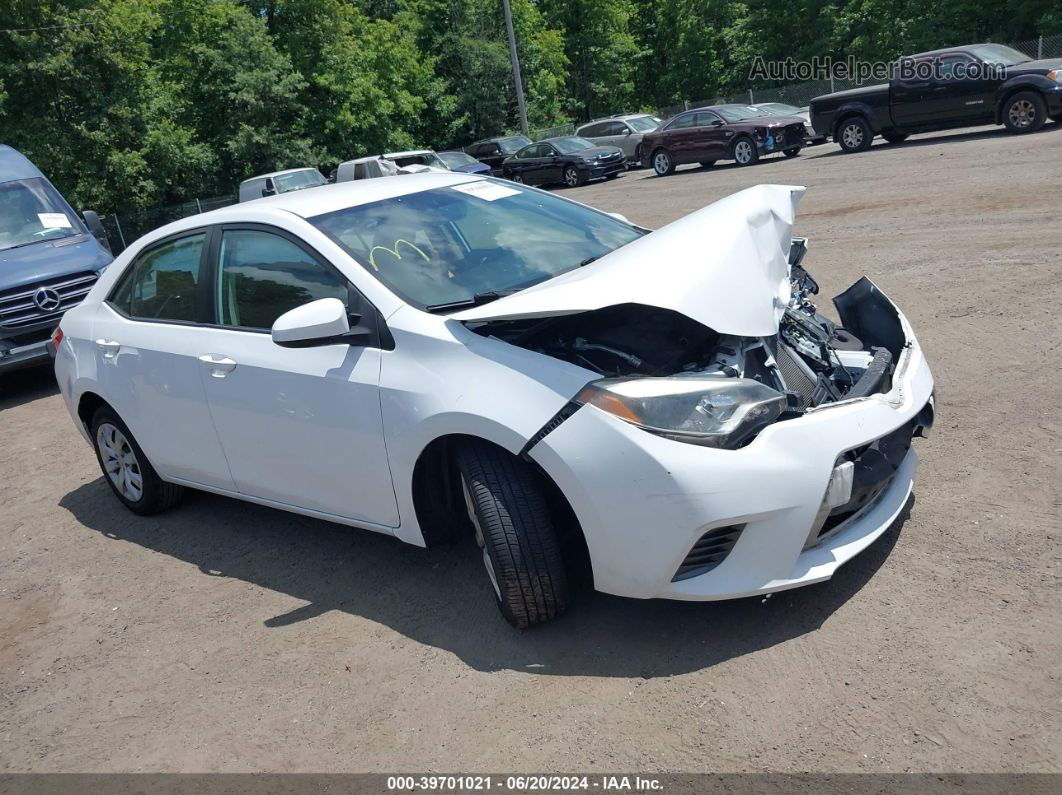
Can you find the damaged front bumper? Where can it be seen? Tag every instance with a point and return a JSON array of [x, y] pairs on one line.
[[667, 519]]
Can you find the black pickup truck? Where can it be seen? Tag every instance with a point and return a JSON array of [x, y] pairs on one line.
[[943, 89]]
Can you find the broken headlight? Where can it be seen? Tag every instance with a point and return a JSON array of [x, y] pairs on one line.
[[710, 411]]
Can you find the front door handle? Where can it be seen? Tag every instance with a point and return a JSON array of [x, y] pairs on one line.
[[219, 365], [109, 348]]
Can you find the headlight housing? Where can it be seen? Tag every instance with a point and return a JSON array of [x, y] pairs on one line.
[[1055, 75], [705, 410]]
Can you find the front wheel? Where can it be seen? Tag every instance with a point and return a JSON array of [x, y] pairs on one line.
[[572, 178], [1024, 112], [512, 523], [792, 152], [745, 153], [127, 470], [662, 163], [854, 135], [517, 178]]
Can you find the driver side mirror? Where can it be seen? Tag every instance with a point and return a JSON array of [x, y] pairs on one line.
[[269, 190], [95, 226], [626, 130], [319, 323], [716, 123]]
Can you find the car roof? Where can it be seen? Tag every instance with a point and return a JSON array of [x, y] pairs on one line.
[[408, 153], [278, 173], [557, 138], [15, 165], [943, 50], [619, 117]]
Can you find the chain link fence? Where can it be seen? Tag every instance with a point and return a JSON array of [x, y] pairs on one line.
[[124, 228]]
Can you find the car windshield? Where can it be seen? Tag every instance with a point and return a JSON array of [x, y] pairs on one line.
[[571, 144], [31, 210], [297, 180], [777, 109], [644, 124], [514, 144], [737, 112], [417, 159], [471, 242], [457, 159], [998, 54]]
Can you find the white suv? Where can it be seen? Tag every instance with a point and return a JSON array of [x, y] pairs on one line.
[[445, 356]]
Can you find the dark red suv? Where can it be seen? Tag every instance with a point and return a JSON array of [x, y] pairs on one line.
[[721, 132]]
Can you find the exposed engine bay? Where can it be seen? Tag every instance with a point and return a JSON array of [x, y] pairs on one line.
[[811, 360]]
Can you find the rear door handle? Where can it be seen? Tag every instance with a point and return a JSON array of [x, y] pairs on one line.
[[109, 348], [219, 365]]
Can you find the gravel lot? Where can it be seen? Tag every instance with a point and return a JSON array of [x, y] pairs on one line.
[[226, 636]]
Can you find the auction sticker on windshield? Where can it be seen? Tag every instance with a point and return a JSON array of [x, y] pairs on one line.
[[54, 220], [488, 191]]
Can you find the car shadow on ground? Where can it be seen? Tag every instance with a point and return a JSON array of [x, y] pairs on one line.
[[25, 386], [442, 597]]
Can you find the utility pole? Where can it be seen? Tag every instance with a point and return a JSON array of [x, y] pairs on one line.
[[516, 66]]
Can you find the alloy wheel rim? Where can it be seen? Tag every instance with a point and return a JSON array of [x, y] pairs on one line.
[[853, 135], [1022, 113], [470, 507], [517, 178], [743, 152], [571, 179], [660, 163], [119, 462]]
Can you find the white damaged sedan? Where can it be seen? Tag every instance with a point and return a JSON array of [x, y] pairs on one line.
[[444, 356]]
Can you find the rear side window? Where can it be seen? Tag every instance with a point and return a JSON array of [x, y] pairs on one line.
[[261, 276], [681, 122], [162, 284], [592, 131]]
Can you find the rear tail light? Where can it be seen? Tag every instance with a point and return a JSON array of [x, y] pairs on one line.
[[57, 338]]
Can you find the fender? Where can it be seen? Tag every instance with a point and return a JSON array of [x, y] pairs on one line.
[[1037, 83]]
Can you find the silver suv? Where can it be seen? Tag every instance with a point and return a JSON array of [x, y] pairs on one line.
[[624, 131]]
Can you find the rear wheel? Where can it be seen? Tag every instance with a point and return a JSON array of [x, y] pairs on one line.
[[662, 163], [894, 137], [509, 513], [127, 470], [792, 152], [854, 134], [1024, 112], [745, 153]]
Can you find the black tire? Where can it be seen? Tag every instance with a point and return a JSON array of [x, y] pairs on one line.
[[894, 137], [1024, 112], [854, 134], [518, 534], [156, 495], [707, 163], [744, 152], [662, 163], [792, 152], [518, 178], [572, 178]]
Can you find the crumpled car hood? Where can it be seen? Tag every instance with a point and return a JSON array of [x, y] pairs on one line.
[[725, 266]]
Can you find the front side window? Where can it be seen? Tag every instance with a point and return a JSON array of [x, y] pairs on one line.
[[162, 284], [450, 244], [261, 276], [31, 211], [681, 122]]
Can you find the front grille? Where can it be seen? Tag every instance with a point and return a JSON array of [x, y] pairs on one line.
[[710, 550], [19, 311], [875, 466]]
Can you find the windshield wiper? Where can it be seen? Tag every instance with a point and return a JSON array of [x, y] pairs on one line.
[[476, 300]]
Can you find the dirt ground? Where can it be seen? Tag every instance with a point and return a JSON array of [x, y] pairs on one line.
[[230, 637]]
